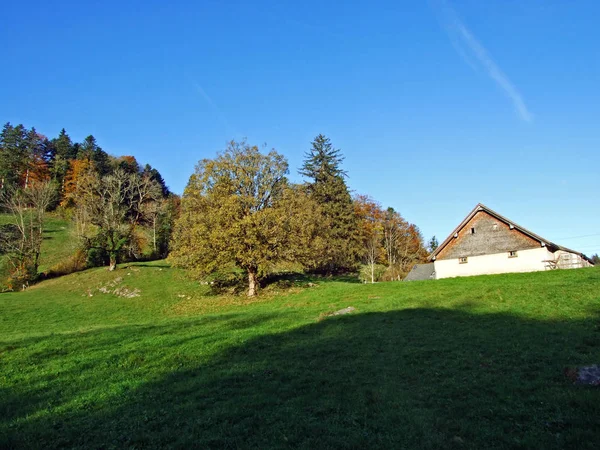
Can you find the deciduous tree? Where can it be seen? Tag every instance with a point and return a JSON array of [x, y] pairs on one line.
[[28, 208], [371, 229], [240, 209]]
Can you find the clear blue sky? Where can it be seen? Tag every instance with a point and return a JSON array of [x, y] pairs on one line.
[[436, 105]]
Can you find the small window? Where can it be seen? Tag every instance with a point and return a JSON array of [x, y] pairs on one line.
[[495, 227], [512, 254], [472, 230], [462, 260]]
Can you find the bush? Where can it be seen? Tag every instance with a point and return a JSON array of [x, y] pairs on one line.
[[96, 257], [365, 273], [74, 263]]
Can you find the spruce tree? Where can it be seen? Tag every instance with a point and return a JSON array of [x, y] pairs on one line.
[[327, 187], [13, 155], [64, 152], [89, 149]]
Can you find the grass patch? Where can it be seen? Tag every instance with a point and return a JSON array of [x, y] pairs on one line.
[[458, 363]]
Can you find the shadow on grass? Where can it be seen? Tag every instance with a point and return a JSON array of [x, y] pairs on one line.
[[298, 279], [418, 378]]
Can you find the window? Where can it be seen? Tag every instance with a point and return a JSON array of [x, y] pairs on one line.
[[512, 254], [495, 227], [462, 260], [472, 230]]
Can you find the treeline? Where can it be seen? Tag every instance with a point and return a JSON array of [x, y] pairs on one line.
[[115, 202], [240, 210]]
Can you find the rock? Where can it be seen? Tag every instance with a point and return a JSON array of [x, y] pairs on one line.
[[588, 375], [341, 312]]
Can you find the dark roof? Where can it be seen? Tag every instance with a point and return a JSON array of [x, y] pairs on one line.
[[420, 272], [481, 207]]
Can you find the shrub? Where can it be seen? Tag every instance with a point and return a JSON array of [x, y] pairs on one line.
[[365, 273], [74, 263]]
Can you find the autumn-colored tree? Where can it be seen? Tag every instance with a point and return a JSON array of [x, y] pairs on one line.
[[371, 229], [128, 164], [79, 169], [410, 249], [39, 155], [403, 245], [240, 209]]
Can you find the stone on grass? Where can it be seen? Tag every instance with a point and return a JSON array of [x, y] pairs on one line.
[[341, 312], [588, 375]]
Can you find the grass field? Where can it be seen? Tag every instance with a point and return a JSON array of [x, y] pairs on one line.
[[145, 358]]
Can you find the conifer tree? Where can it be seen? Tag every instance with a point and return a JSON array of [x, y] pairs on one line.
[[13, 155], [64, 152], [89, 149], [327, 187]]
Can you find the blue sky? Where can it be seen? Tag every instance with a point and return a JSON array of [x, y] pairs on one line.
[[436, 105]]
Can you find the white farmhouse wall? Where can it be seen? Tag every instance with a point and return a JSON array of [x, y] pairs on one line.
[[526, 261]]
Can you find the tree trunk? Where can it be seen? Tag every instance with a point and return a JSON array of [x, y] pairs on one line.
[[372, 273], [113, 262], [252, 281], [154, 233]]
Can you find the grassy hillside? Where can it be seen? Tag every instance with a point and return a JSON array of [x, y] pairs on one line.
[[145, 358]]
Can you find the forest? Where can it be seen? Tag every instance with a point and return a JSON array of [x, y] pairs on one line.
[[239, 221]]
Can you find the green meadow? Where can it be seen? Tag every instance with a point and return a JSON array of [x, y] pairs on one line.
[[145, 357]]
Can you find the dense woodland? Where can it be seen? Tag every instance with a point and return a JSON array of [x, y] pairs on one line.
[[240, 216], [120, 209]]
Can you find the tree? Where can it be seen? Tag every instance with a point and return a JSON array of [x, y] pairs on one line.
[[64, 152], [89, 149], [39, 154], [595, 259], [327, 187], [28, 208], [72, 184], [410, 249], [108, 208], [239, 209], [13, 155], [156, 176], [371, 228], [433, 244], [128, 164], [403, 245]]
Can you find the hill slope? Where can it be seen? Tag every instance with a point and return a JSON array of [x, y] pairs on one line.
[[144, 358]]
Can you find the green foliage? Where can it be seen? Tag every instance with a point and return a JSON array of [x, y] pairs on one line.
[[90, 150], [13, 154], [239, 209], [369, 273], [327, 187], [459, 363], [432, 245]]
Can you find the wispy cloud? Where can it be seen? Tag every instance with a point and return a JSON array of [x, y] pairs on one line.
[[461, 37], [219, 113]]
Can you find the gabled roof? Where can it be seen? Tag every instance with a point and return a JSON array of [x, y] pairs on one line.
[[481, 207]]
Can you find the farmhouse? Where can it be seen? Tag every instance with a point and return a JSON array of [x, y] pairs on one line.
[[486, 243]]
